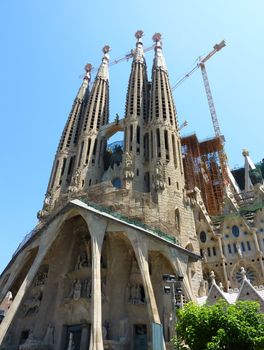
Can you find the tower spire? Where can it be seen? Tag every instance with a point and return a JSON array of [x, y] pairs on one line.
[[136, 145], [88, 164], [63, 164], [159, 60]]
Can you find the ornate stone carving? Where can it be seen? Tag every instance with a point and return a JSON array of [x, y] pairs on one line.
[[136, 294], [128, 167], [31, 305], [80, 289], [77, 290], [40, 279], [159, 183], [75, 182], [87, 288], [203, 289], [83, 261]]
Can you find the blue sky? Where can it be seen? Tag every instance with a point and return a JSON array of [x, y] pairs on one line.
[[45, 45]]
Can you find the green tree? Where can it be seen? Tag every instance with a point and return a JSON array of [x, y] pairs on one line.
[[221, 326]]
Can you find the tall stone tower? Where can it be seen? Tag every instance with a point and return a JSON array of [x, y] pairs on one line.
[[90, 149], [65, 157], [136, 116]]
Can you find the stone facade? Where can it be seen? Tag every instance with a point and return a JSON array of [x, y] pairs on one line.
[[90, 275], [114, 222]]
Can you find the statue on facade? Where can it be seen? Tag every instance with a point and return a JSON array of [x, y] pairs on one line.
[[75, 182], [239, 251], [87, 288], [82, 261], [77, 290], [158, 183], [32, 305]]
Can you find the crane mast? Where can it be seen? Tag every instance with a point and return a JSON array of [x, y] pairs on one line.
[[201, 64], [210, 101]]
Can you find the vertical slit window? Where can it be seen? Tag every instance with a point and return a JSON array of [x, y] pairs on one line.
[[131, 137], [138, 139], [88, 151], [55, 173], [166, 144], [146, 146], [174, 150], [81, 152], [94, 151], [179, 156], [71, 164], [63, 166], [158, 142], [151, 144], [209, 251]]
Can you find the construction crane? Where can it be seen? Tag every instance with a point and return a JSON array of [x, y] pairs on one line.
[[201, 64]]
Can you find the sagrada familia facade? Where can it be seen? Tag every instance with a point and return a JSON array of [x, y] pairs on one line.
[[117, 226]]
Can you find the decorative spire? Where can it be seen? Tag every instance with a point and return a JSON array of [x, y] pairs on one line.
[[87, 77], [138, 52], [159, 60], [212, 277], [103, 72]]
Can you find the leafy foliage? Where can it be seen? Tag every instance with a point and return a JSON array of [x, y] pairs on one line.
[[220, 326]]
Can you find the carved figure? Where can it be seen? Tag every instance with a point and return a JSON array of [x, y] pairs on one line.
[[202, 289], [239, 251], [47, 200], [82, 261], [205, 255], [87, 288], [32, 305], [77, 290], [76, 178], [75, 182], [41, 279], [158, 183]]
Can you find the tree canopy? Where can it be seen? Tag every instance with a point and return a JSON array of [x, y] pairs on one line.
[[220, 326]]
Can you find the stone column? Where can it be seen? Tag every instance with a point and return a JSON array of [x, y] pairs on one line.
[[223, 261], [141, 252], [259, 253], [181, 269], [97, 229], [47, 239]]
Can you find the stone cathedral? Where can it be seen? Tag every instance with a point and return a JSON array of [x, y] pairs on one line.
[[114, 222]]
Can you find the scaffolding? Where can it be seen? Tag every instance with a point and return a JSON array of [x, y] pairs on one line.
[[202, 168]]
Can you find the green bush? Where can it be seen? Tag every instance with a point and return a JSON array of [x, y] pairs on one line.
[[221, 326]]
